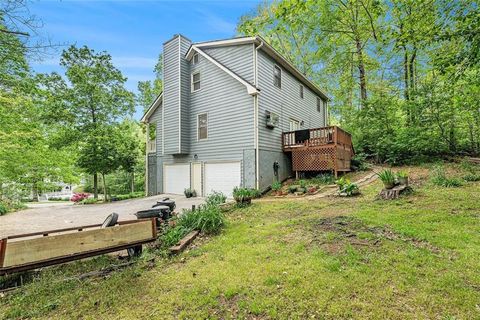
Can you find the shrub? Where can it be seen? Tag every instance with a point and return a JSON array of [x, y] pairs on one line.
[[292, 188], [276, 186], [359, 162], [215, 198], [130, 195], [346, 187], [471, 177], [77, 197], [439, 178], [189, 193], [302, 183], [88, 201], [388, 178], [323, 178], [173, 235], [3, 209], [243, 196]]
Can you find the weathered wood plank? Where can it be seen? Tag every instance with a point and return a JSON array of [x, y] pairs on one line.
[[184, 242], [20, 252]]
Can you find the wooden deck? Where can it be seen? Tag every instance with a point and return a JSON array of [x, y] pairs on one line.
[[319, 149]]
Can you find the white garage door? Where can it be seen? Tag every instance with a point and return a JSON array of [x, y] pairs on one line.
[[222, 176], [176, 177]]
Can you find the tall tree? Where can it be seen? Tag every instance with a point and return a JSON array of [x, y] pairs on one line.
[[96, 98], [149, 90]]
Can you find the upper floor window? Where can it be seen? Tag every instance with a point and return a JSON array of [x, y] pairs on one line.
[[319, 104], [277, 77], [301, 91], [202, 126], [195, 59], [195, 81]]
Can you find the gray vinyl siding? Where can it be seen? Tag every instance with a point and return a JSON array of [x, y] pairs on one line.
[[285, 102], [229, 109], [170, 95], [238, 59]]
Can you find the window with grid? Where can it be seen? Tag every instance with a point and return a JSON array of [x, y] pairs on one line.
[[202, 125], [196, 81], [277, 77]]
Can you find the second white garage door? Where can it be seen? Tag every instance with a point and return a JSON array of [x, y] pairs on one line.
[[176, 177], [222, 176]]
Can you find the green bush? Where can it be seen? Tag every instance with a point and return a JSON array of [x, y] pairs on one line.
[[323, 178], [189, 193], [302, 183], [471, 177], [88, 201], [388, 178], [215, 198], [359, 162], [276, 186], [243, 196], [3, 209], [292, 188], [130, 195], [439, 178], [346, 187], [173, 235]]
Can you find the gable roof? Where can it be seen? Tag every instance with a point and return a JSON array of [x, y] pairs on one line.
[[268, 49], [157, 102], [263, 45]]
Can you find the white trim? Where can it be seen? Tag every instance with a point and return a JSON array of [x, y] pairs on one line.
[[250, 89], [219, 43], [146, 159], [275, 67], [152, 108], [163, 109], [198, 125], [269, 50], [179, 94], [192, 87], [255, 118], [193, 59]]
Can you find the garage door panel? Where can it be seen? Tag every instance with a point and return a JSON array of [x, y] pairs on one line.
[[222, 176], [177, 178]]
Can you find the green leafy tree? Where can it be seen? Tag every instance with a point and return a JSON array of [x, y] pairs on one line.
[[96, 98], [149, 90]]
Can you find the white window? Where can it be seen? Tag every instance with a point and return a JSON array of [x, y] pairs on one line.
[[195, 81], [195, 59], [277, 77], [301, 91], [294, 125], [319, 104], [202, 126]]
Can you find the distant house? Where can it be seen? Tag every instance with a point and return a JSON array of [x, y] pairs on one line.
[[219, 121]]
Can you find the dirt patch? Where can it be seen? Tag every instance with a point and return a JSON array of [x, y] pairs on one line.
[[333, 234]]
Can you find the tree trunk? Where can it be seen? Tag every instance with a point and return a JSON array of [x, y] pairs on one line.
[[35, 191], [361, 71], [95, 186], [133, 182], [405, 76], [104, 188]]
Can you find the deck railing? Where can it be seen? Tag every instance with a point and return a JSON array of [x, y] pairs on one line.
[[316, 137]]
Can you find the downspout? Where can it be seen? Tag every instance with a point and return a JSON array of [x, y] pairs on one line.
[[146, 158], [256, 119]]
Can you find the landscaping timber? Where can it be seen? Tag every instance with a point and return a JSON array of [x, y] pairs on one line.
[[184, 242]]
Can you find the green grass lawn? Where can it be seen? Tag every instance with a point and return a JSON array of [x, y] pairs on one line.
[[417, 257]]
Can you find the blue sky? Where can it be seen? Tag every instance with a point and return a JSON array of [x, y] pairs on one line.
[[133, 31]]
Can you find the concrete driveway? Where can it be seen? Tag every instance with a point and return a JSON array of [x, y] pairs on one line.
[[50, 216]]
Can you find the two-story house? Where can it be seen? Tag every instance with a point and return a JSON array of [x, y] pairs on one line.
[[219, 121]]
